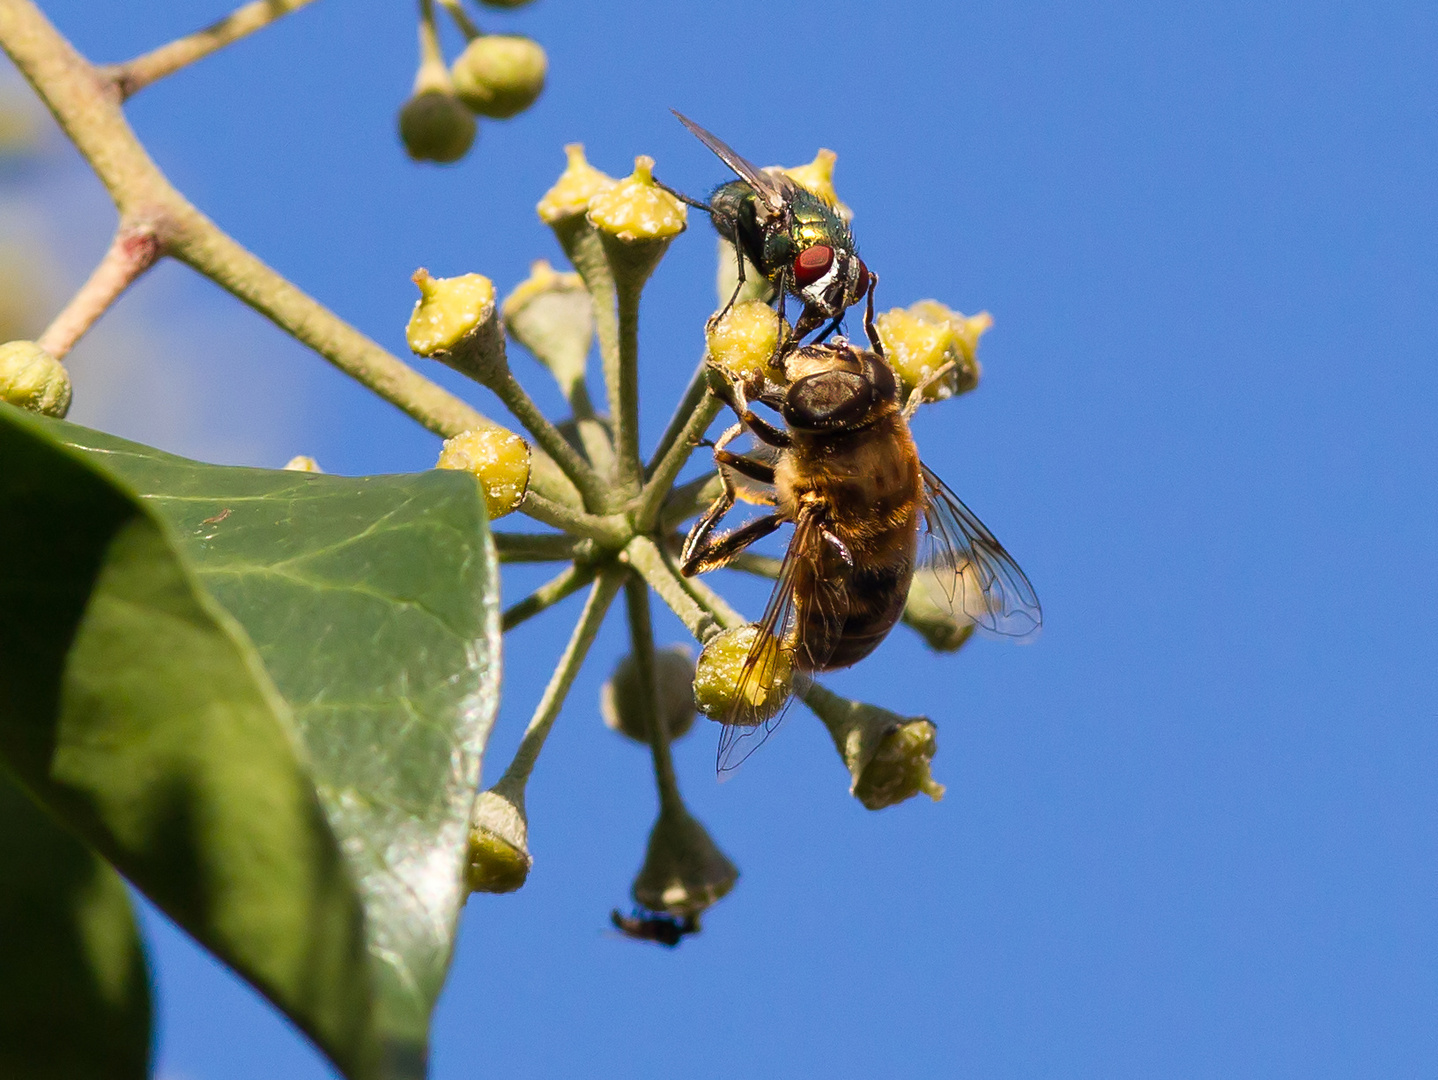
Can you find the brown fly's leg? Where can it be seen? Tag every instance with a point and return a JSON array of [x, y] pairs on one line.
[[720, 506], [764, 431], [702, 554], [698, 538], [753, 468]]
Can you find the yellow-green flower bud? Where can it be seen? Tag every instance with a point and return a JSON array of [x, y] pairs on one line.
[[435, 126], [552, 316], [746, 339], [33, 379], [899, 767], [923, 337], [887, 755], [499, 859], [498, 75], [636, 208], [817, 177], [571, 193], [303, 463], [498, 459], [622, 698], [943, 631], [716, 677], [454, 322], [448, 310], [684, 871]]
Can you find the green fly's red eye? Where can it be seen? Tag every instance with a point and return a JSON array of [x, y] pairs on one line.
[[812, 264], [865, 280]]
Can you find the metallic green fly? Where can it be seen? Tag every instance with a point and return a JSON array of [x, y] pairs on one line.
[[799, 242]]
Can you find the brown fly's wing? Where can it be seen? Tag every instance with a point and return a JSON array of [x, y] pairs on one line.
[[799, 630], [775, 191], [968, 571]]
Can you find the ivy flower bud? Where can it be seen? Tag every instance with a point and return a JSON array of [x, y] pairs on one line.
[[923, 337], [622, 699], [435, 126], [454, 322], [498, 459], [499, 859], [943, 631], [684, 871], [499, 75], [746, 339], [303, 463], [637, 209], [635, 220], [716, 677], [817, 178], [552, 316], [887, 755], [31, 378], [571, 193]]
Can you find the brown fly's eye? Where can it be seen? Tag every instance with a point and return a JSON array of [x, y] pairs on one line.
[[812, 264]]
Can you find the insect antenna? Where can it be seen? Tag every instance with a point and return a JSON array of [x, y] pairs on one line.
[[685, 199]]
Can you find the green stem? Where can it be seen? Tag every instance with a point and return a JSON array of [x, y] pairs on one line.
[[693, 395], [611, 531], [651, 500], [591, 489], [88, 111], [713, 603], [461, 19], [623, 381], [641, 644], [585, 252], [134, 75], [642, 554], [601, 595], [131, 253], [539, 547], [567, 582]]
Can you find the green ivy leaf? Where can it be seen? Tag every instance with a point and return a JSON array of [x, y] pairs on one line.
[[346, 631], [75, 987]]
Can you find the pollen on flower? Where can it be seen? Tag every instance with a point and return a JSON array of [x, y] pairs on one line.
[[636, 208], [717, 689], [923, 337], [746, 339], [498, 459]]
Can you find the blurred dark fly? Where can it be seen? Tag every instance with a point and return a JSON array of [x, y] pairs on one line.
[[656, 926]]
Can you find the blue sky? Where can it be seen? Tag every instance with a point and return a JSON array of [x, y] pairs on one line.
[[1191, 831]]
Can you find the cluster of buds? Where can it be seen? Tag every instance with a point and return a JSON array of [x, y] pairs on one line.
[[496, 76], [616, 518]]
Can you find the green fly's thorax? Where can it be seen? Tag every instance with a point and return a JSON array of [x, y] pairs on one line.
[[813, 221]]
